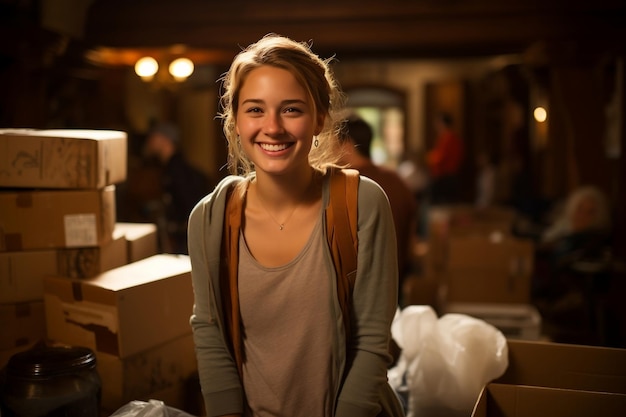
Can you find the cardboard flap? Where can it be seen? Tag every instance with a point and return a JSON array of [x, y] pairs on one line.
[[559, 365]]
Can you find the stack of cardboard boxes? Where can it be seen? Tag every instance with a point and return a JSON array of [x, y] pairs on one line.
[[71, 274], [479, 268]]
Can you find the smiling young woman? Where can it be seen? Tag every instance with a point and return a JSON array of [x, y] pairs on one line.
[[276, 123], [267, 320]]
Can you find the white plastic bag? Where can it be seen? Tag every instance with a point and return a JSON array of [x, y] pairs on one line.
[[445, 361], [152, 408]]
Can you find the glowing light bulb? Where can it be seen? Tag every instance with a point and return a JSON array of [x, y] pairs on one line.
[[146, 67], [540, 114], [181, 68]]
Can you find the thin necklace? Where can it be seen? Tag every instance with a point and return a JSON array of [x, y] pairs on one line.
[[281, 225]]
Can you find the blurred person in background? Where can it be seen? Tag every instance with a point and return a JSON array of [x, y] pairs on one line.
[[574, 268], [356, 140], [581, 228], [182, 186], [444, 162]]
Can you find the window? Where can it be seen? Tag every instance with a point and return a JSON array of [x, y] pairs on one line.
[[383, 109]]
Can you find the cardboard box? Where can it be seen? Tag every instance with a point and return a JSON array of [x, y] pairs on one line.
[[498, 400], [125, 310], [560, 365], [515, 321], [555, 379], [142, 376], [141, 238], [486, 270], [31, 220], [468, 220], [89, 262], [62, 158], [461, 220], [23, 324], [22, 273]]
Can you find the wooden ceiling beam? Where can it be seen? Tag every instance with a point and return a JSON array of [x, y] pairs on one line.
[[375, 28]]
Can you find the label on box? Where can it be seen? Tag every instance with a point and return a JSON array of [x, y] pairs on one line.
[[91, 315], [81, 230]]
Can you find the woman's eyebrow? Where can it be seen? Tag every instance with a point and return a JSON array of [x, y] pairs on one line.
[[284, 102]]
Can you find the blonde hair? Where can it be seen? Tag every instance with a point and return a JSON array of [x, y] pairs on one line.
[[602, 220], [563, 226], [311, 71]]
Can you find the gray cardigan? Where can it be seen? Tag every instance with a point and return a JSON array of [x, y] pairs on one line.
[[363, 388]]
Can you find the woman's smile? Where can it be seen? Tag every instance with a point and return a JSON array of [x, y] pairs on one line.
[[275, 147]]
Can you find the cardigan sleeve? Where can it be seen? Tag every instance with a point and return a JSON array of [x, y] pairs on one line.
[[374, 306], [221, 387]]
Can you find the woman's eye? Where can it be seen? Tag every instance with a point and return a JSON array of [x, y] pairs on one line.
[[292, 110], [253, 110]]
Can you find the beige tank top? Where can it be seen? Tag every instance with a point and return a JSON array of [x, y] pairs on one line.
[[286, 319]]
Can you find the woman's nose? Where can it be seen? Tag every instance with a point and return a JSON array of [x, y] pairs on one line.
[[273, 124]]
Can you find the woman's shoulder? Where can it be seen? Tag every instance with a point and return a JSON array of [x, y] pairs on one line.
[[220, 192], [370, 190], [228, 181]]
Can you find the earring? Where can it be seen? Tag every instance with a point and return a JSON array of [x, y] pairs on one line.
[[315, 141]]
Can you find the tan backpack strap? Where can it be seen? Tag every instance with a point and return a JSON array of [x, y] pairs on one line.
[[229, 273], [341, 228]]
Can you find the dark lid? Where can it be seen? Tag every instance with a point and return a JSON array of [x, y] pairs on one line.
[[50, 361]]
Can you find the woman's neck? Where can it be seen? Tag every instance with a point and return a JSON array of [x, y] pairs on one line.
[[284, 190]]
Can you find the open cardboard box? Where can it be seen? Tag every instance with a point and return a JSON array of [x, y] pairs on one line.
[[501, 400], [123, 311], [555, 379], [560, 365]]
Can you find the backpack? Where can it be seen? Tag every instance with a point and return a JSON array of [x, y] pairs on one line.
[[341, 230]]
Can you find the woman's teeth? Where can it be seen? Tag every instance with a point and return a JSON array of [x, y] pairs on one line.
[[274, 148]]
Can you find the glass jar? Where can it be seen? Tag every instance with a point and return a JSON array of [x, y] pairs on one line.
[[51, 381]]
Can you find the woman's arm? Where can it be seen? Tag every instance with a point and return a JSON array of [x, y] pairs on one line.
[[219, 379], [374, 305]]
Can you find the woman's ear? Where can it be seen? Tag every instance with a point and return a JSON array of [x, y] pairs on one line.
[[320, 124]]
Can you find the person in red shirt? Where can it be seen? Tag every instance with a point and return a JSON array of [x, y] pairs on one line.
[[444, 162]]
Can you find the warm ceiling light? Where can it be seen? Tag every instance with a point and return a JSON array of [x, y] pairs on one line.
[[181, 68], [146, 67], [540, 114]]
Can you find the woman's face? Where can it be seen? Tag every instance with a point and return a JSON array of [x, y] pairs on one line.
[[275, 121]]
